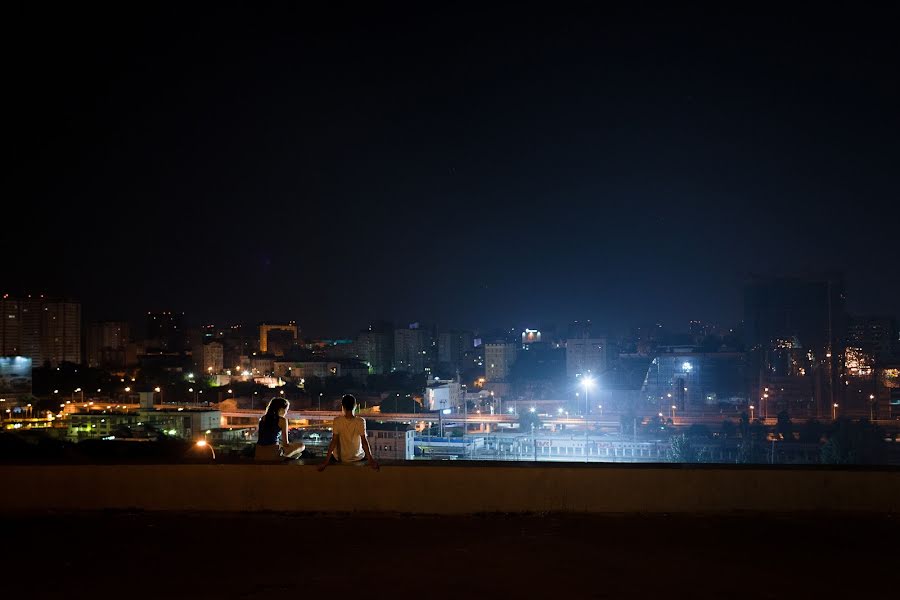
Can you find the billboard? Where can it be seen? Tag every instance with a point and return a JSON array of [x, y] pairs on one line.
[[15, 375]]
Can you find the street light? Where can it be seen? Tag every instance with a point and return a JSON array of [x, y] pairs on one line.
[[834, 408], [871, 407], [751, 411], [203, 444], [588, 384], [673, 414]]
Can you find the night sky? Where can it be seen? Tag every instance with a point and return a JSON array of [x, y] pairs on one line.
[[449, 165]]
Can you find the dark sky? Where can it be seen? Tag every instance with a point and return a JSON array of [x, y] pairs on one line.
[[457, 166]]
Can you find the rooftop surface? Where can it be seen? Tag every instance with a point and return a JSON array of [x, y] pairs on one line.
[[266, 555]]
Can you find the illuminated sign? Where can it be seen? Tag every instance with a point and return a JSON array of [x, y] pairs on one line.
[[530, 336], [15, 375]]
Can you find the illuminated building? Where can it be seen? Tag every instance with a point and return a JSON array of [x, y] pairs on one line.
[[213, 358], [585, 355], [410, 349], [530, 336], [376, 347], [452, 346], [696, 380], [266, 328], [43, 329], [809, 311], [499, 357], [391, 441], [106, 344], [297, 370], [165, 330], [442, 394], [875, 336]]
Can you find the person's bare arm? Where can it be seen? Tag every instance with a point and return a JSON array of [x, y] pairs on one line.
[[284, 433], [331, 447], [369, 457]]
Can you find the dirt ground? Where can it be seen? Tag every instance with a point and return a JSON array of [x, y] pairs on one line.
[[256, 556]]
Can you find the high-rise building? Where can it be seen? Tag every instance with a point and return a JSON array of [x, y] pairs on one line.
[[452, 346], [498, 359], [876, 336], [695, 381], [213, 359], [410, 349], [43, 329], [585, 356], [812, 310], [810, 313], [265, 329], [375, 347], [165, 330], [106, 344]]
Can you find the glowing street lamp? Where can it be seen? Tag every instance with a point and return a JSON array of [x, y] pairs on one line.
[[834, 408], [203, 445], [751, 411], [600, 406], [673, 413]]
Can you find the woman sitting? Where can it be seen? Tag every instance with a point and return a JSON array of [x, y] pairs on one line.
[[272, 442]]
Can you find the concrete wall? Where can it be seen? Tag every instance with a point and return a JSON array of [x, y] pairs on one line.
[[446, 489]]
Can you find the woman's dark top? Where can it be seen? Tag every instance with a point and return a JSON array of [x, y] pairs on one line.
[[269, 431]]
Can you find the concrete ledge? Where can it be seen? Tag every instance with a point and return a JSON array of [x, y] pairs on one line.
[[446, 489]]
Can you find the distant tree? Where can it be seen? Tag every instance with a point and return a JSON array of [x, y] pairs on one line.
[[784, 427], [655, 425], [710, 343], [629, 421], [811, 432], [729, 429], [749, 447], [684, 451], [853, 443], [528, 419], [313, 386], [698, 431], [399, 404]]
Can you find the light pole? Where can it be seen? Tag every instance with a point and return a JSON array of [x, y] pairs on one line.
[[203, 445], [834, 408], [587, 383], [320, 400], [871, 407], [751, 411], [673, 414]]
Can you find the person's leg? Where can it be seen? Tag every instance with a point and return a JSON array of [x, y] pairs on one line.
[[267, 453], [293, 449]]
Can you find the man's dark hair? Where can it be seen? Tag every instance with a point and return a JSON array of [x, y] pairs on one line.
[[349, 401]]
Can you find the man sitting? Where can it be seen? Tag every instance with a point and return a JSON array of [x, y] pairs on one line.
[[349, 444]]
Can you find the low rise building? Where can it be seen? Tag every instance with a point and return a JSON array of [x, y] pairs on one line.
[[391, 441]]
